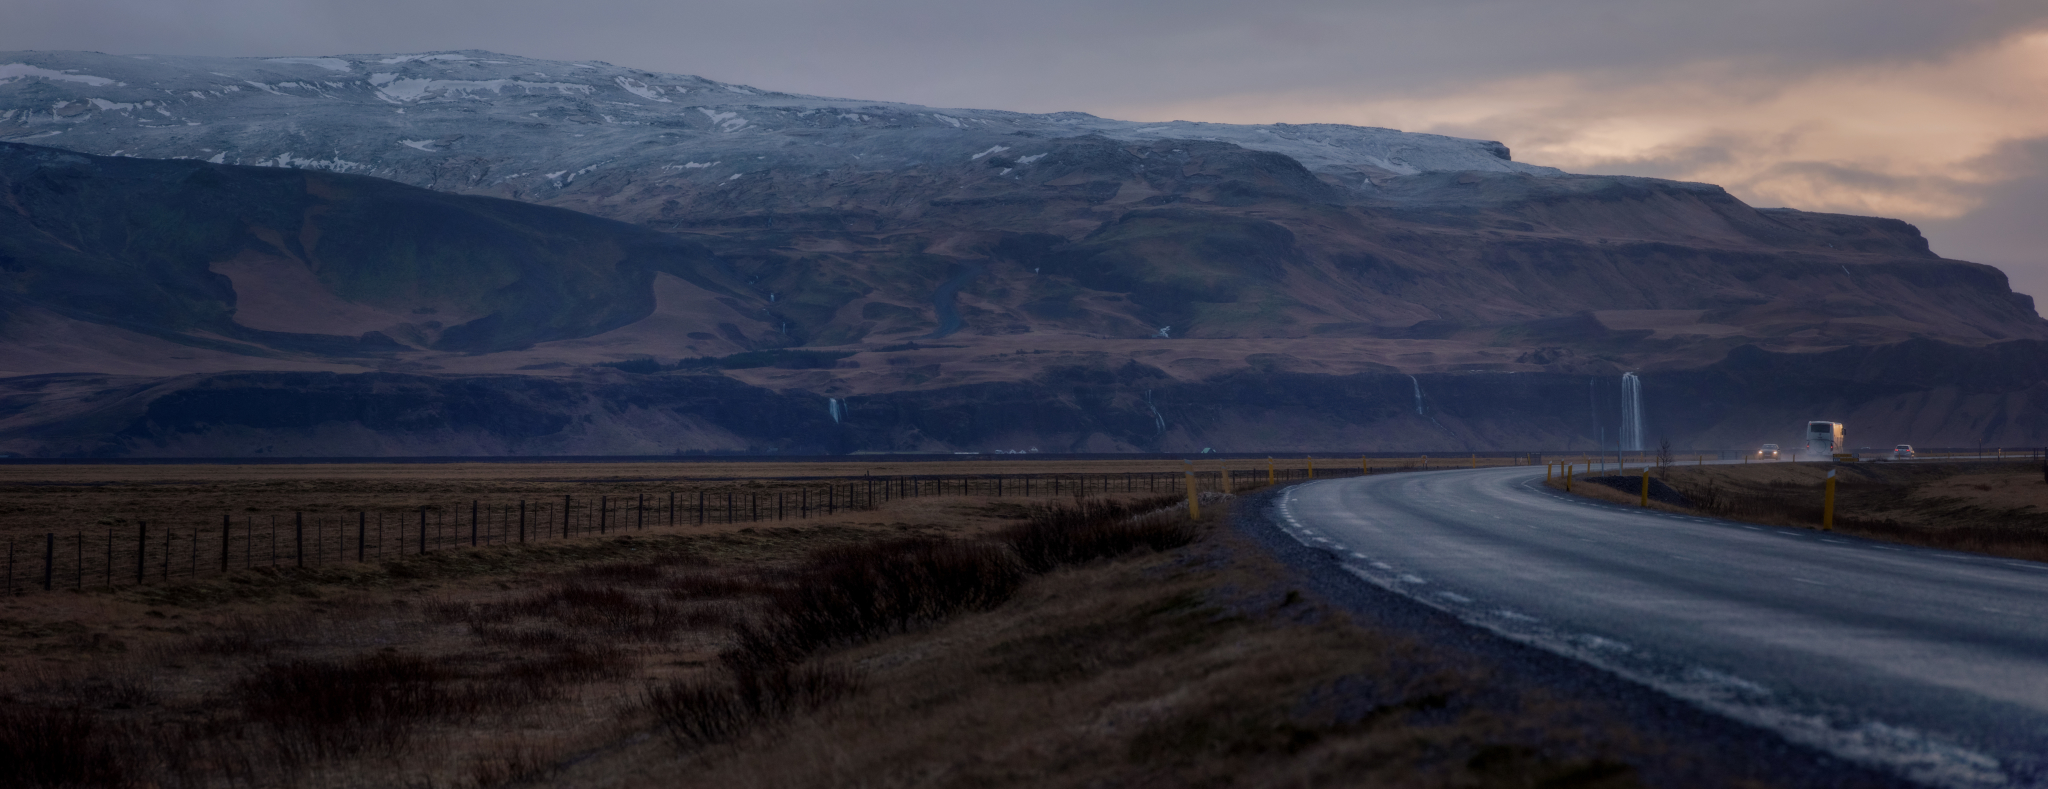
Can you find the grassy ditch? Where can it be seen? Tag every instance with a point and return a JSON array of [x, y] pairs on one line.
[[1994, 508], [970, 643]]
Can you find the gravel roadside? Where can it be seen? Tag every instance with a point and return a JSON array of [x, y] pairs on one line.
[[1694, 747]]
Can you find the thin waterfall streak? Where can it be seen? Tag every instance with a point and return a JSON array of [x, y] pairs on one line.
[[1418, 394], [1631, 412], [837, 410]]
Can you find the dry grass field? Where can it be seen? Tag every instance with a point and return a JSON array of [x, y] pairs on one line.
[[941, 640], [1992, 507]]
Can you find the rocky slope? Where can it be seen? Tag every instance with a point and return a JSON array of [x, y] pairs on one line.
[[1061, 281]]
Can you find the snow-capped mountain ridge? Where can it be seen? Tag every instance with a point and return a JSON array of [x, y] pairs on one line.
[[518, 126]]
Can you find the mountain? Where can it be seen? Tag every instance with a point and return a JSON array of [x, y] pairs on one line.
[[468, 219]]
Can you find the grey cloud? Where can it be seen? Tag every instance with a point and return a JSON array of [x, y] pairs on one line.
[[1055, 54], [2010, 228]]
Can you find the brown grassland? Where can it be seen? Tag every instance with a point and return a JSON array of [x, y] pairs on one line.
[[1999, 508], [936, 641], [67, 499]]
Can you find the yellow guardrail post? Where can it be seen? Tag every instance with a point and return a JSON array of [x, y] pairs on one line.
[[1567, 477], [1546, 471], [1364, 466], [1311, 468], [1646, 487], [1827, 507], [1475, 460]]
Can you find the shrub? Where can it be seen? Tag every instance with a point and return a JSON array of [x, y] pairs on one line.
[[1060, 534], [853, 593], [321, 708], [42, 746], [697, 713]]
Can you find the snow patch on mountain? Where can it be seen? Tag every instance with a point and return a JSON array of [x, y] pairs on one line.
[[641, 89], [10, 72], [331, 64], [415, 58], [523, 116]]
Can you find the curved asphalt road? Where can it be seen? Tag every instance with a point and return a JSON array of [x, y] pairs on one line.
[[1930, 663]]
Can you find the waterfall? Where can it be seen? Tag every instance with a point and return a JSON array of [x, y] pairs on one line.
[[1418, 407], [1631, 412], [836, 408], [1156, 418]]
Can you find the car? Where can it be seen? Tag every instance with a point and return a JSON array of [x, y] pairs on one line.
[[1902, 452], [1769, 452]]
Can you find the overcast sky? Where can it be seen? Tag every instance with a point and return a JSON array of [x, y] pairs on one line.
[[1933, 111]]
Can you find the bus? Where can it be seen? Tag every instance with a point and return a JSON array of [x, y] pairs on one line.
[[1824, 439]]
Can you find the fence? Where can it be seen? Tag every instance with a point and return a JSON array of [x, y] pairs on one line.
[[167, 549]]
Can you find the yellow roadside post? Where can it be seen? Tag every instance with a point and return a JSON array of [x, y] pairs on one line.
[[1269, 471], [1567, 478], [1546, 471], [1364, 466], [1311, 468], [1475, 460], [1827, 507], [1194, 500], [1646, 487]]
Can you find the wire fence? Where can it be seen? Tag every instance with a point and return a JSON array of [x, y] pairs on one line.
[[183, 547]]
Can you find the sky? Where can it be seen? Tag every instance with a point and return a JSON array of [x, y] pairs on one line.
[[1932, 111]]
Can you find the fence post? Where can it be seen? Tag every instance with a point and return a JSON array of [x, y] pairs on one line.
[[1827, 508], [423, 531], [363, 532], [299, 529], [565, 517], [603, 510], [49, 559], [472, 523], [1646, 486], [672, 508], [700, 506], [1194, 499], [141, 548], [640, 512], [522, 521], [225, 523]]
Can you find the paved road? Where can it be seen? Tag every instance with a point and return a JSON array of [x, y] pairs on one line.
[[1931, 663]]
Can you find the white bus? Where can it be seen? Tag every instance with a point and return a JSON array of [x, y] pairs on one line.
[[1824, 439]]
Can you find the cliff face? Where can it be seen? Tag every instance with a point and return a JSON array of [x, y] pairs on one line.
[[964, 279], [1920, 392]]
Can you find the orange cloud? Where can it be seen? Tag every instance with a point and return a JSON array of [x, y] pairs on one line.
[[1915, 139]]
